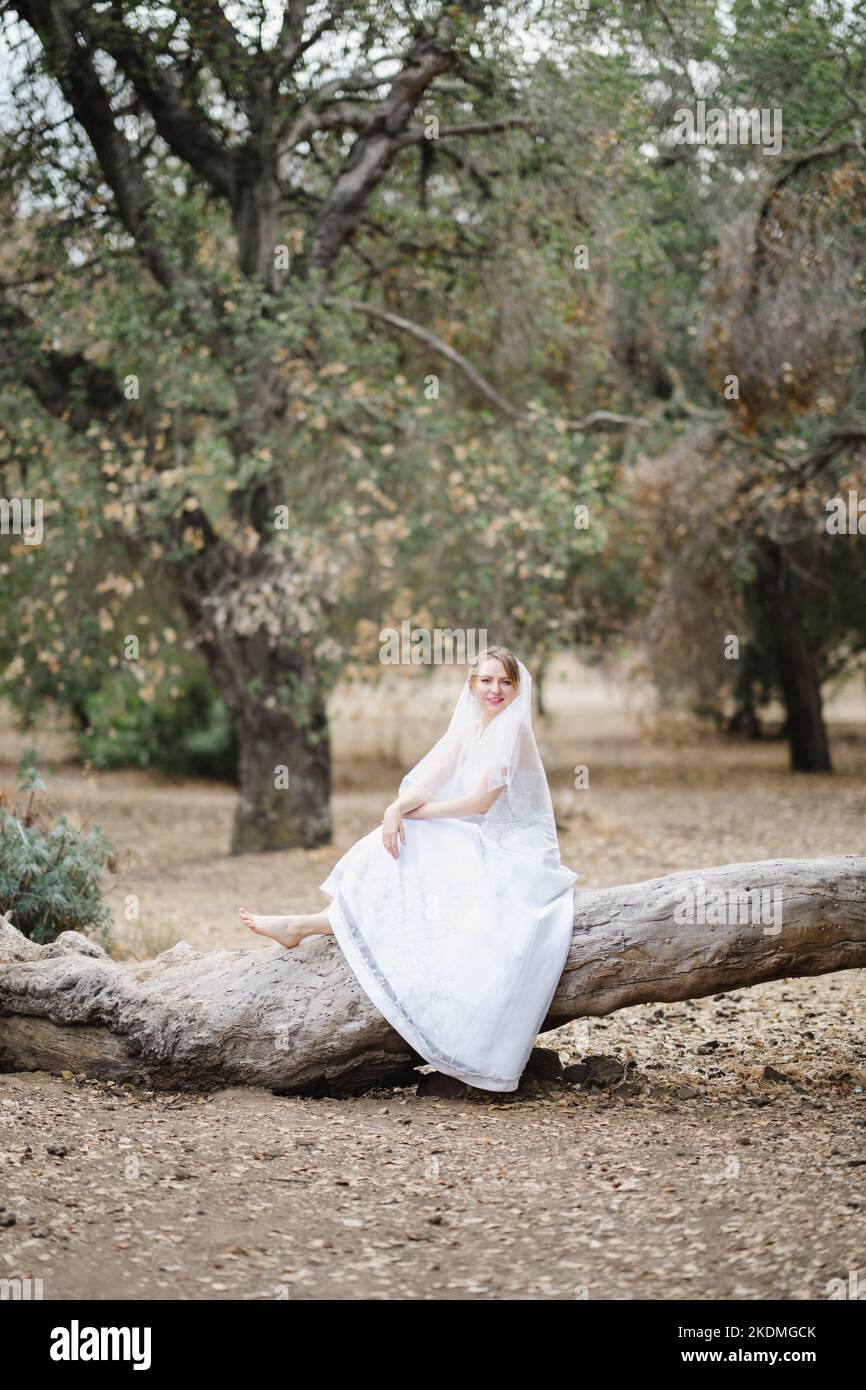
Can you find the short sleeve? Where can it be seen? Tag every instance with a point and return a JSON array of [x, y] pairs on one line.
[[434, 773]]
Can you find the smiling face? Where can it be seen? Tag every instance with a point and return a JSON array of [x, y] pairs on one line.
[[493, 688]]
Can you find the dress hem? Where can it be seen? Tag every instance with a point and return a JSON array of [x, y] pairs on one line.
[[400, 1021]]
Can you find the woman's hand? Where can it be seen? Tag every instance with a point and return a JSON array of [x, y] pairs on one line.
[[393, 831]]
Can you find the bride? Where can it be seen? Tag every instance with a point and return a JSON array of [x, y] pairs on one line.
[[456, 913]]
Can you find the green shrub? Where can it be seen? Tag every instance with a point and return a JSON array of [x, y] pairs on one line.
[[51, 873], [190, 734]]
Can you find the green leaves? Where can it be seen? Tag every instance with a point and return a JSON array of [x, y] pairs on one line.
[[51, 874]]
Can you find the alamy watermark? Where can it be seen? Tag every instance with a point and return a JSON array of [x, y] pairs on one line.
[[846, 518], [22, 516], [77, 1343], [20, 1290], [730, 907], [855, 1289], [423, 646], [732, 126]]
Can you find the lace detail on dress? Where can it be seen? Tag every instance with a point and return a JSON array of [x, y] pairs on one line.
[[397, 1014], [521, 818]]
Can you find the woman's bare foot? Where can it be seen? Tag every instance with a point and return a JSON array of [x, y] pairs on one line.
[[288, 931]]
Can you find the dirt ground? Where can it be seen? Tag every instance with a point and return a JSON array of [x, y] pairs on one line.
[[712, 1183]]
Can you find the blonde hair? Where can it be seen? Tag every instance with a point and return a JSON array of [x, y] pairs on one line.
[[508, 659]]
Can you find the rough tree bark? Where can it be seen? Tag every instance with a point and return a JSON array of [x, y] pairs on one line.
[[299, 1023]]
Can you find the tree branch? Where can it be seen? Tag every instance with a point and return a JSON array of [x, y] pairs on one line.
[[431, 340], [183, 128], [800, 162], [291, 44], [72, 67], [415, 134], [230, 62], [344, 115], [430, 54]]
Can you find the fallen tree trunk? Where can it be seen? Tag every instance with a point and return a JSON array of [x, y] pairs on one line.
[[298, 1022]]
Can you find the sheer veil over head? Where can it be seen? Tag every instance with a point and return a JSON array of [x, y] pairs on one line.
[[503, 754]]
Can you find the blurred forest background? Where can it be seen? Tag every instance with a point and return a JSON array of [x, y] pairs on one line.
[[318, 318]]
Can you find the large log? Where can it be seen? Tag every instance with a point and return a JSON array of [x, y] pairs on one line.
[[298, 1021]]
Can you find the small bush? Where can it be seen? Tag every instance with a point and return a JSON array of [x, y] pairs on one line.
[[189, 735], [51, 873]]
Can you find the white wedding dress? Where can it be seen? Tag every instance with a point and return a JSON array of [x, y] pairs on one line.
[[460, 942]]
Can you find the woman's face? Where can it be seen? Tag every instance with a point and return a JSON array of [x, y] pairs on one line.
[[494, 689]]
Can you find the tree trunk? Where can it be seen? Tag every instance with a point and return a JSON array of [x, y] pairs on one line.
[[745, 722], [279, 715], [285, 780], [796, 666], [298, 1021], [257, 221]]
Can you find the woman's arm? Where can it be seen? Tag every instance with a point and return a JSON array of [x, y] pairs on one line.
[[418, 802], [407, 801], [478, 803]]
